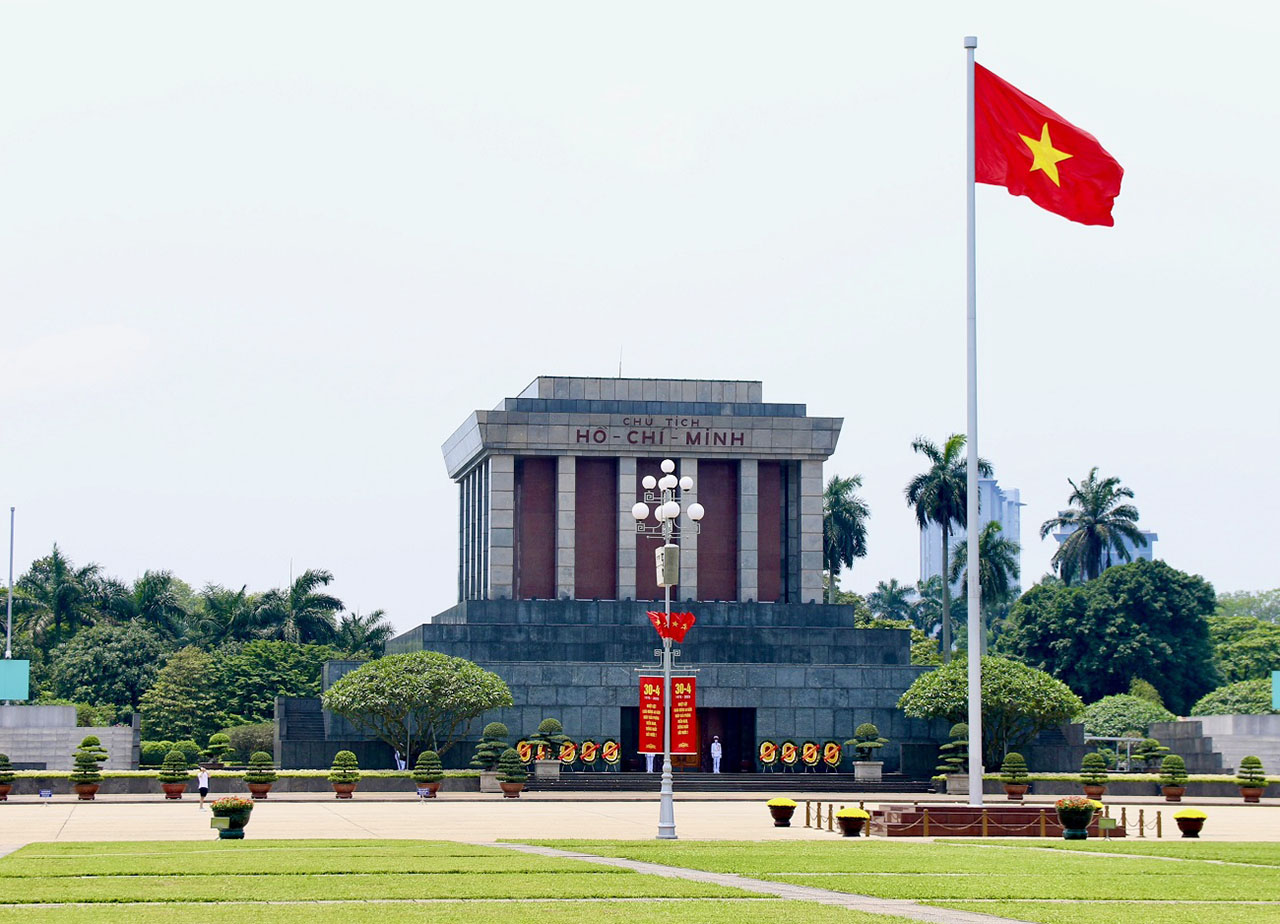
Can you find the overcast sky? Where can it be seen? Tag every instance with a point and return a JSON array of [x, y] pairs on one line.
[[259, 260]]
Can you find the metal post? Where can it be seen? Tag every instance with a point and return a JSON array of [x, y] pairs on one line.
[[667, 809], [973, 566], [8, 629]]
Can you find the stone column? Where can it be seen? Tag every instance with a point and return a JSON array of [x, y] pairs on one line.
[[502, 526], [748, 526], [810, 531], [688, 540], [566, 512], [626, 528]]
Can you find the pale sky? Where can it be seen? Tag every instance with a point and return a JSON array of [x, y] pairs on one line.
[[259, 260]]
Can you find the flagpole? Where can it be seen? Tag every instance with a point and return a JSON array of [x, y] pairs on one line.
[[973, 564]]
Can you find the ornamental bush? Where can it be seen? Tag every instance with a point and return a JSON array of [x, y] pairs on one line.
[[1248, 697], [1249, 775], [866, 741], [152, 752], [1150, 752], [190, 750], [219, 744], [1121, 714], [493, 741], [510, 770], [1173, 771], [230, 805], [1014, 768], [1093, 770], [345, 769], [7, 774], [953, 757], [88, 760], [428, 768], [550, 735], [261, 769], [246, 740], [174, 768]]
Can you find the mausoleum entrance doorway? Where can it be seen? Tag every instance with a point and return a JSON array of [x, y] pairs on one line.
[[735, 727]]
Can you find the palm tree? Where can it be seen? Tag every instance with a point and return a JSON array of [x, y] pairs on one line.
[[891, 600], [57, 594], [1098, 523], [997, 570], [364, 635], [939, 495], [158, 601], [300, 614], [844, 527], [224, 615]]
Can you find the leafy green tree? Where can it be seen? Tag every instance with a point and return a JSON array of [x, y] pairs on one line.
[[248, 739], [363, 636], [1143, 619], [1123, 714], [1017, 702], [1244, 647], [1247, 697], [1099, 525], [1262, 604], [107, 664], [57, 598], [924, 648], [844, 527], [183, 703], [408, 700], [891, 600], [246, 679], [301, 613], [162, 602], [1145, 689], [940, 495], [997, 571]]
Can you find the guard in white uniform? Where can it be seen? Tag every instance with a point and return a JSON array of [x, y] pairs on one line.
[[716, 752]]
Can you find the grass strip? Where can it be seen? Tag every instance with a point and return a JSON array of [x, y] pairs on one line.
[[1051, 913], [1255, 852], [281, 862], [213, 845]]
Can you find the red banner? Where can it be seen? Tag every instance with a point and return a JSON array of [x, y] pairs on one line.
[[684, 714], [675, 628], [650, 715]]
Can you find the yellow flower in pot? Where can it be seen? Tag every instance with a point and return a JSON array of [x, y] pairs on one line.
[[1190, 821], [781, 810], [851, 821]]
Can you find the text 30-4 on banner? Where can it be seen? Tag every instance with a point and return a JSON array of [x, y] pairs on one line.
[[684, 721]]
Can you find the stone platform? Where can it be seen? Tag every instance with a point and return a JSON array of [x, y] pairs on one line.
[[972, 821]]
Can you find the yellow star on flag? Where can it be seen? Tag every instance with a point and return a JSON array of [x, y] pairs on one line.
[[1045, 155]]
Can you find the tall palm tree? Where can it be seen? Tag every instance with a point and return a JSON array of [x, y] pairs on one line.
[[301, 613], [891, 600], [224, 615], [56, 595], [926, 610], [364, 635], [940, 495], [844, 527], [158, 603], [997, 570], [1099, 524]]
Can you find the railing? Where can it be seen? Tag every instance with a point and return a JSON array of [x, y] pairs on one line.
[[990, 826]]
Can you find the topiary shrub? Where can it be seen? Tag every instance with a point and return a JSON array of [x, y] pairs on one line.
[[174, 768], [219, 744], [1014, 768], [1173, 771], [190, 750], [152, 753], [1249, 775], [493, 741], [1248, 697], [1150, 752], [550, 735], [7, 774], [866, 741], [261, 769], [1115, 716], [510, 770], [1093, 770], [345, 769], [88, 760], [954, 755], [428, 768]]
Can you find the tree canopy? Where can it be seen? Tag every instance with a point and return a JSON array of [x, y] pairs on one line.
[[1143, 619], [424, 698], [1118, 715], [107, 664], [1244, 647], [1248, 697], [1017, 702], [1098, 525]]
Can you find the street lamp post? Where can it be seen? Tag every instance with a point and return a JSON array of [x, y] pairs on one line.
[[665, 494]]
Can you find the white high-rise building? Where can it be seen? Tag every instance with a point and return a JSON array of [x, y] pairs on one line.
[[994, 503], [1136, 553]]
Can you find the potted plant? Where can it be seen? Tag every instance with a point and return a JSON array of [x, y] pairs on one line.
[[866, 741], [851, 821], [493, 741], [7, 776], [344, 774], [1150, 751], [511, 774], [428, 773], [1094, 776], [1249, 777], [781, 810], [546, 742], [236, 812], [219, 744], [1190, 821], [260, 775], [1173, 778], [173, 775], [88, 760], [1013, 774], [954, 760], [1075, 813]]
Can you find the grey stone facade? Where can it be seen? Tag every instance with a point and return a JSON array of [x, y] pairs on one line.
[[44, 738]]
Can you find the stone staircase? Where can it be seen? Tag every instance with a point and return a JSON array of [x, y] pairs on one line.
[[727, 782]]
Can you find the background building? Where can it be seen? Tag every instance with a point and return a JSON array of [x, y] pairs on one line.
[[994, 503], [1144, 552]]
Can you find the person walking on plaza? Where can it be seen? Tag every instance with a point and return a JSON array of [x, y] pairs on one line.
[[202, 784], [716, 752]]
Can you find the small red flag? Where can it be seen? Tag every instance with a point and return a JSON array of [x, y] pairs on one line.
[[1025, 146]]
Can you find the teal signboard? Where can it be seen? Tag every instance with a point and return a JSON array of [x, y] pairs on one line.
[[15, 679], [1275, 689]]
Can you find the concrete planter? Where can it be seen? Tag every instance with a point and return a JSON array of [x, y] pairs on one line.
[[871, 771], [546, 769], [489, 781], [958, 784]]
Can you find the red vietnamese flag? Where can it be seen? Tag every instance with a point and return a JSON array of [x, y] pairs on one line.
[[1024, 145]]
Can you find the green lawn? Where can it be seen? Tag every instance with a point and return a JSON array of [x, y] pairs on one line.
[[1259, 853]]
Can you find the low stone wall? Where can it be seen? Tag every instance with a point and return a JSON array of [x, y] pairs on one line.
[[1122, 788], [224, 786], [50, 747]]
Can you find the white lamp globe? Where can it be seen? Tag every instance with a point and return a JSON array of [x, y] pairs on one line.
[[668, 466], [671, 509], [686, 483], [660, 512], [640, 511], [649, 482], [696, 512], [668, 482]]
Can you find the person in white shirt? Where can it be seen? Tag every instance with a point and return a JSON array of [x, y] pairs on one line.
[[716, 752], [202, 784], [648, 762]]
